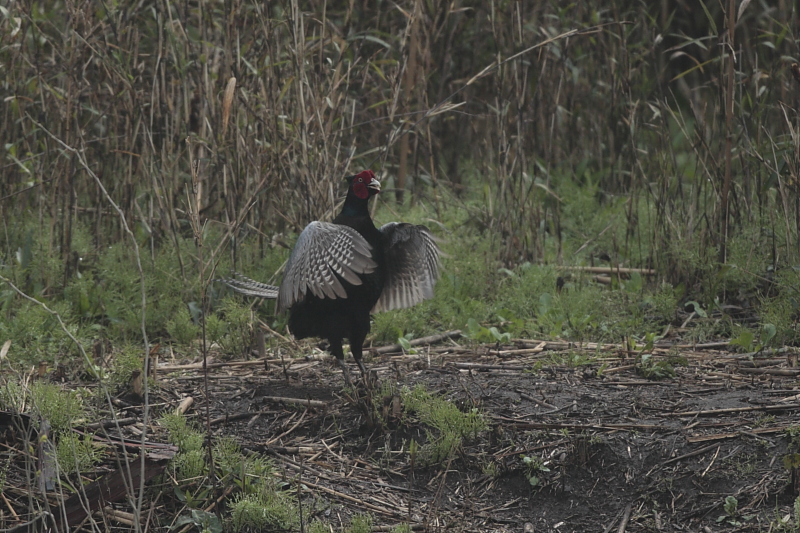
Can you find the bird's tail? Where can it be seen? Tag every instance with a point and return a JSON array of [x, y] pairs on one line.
[[250, 287]]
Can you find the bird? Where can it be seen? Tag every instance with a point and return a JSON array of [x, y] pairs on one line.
[[340, 272]]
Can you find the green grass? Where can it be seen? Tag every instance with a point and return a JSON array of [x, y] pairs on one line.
[[476, 293]]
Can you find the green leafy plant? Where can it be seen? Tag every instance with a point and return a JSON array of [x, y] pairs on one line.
[[405, 343], [479, 333], [651, 368], [732, 515], [731, 508], [745, 341], [534, 467], [204, 521]]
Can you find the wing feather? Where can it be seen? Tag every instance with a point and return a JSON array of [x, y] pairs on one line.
[[412, 266], [325, 254]]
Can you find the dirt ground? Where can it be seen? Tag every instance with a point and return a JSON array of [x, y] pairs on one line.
[[607, 448], [616, 451]]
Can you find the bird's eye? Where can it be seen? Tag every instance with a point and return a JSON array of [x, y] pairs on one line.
[[360, 180]]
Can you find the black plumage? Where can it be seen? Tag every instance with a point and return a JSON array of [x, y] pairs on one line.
[[340, 272]]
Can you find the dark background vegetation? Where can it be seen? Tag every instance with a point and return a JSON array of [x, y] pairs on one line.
[[613, 144]]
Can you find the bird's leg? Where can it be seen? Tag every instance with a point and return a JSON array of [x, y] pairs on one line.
[[338, 352], [361, 366], [345, 372], [357, 347], [365, 403]]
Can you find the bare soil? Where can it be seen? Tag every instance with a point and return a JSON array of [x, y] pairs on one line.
[[618, 451], [608, 448]]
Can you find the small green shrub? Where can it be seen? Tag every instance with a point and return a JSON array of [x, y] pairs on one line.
[[77, 454], [13, 396], [663, 302], [452, 425], [4, 464], [59, 407], [37, 334], [84, 295], [181, 328], [779, 313], [124, 363], [263, 510], [228, 455], [231, 327], [182, 433], [190, 461], [190, 465], [795, 508], [360, 523]]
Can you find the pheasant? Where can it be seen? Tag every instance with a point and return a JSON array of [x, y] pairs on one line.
[[339, 272]]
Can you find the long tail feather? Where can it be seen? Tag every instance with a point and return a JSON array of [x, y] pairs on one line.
[[250, 287]]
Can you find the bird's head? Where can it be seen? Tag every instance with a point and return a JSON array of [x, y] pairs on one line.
[[364, 184]]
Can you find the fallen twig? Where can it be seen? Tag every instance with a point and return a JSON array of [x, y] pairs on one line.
[[301, 401], [690, 454], [610, 270], [731, 410], [733, 435], [422, 341]]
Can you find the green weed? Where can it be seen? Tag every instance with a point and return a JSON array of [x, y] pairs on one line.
[[61, 408], [4, 464], [77, 454], [231, 328], [263, 510], [534, 467], [181, 328], [126, 361], [360, 523], [36, 334], [452, 425], [181, 433], [652, 368]]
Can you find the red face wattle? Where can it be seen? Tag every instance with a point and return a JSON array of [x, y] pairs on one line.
[[363, 182]]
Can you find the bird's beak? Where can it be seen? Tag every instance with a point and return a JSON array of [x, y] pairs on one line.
[[375, 184]]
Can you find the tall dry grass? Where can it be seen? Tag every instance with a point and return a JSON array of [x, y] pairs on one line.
[[325, 88]]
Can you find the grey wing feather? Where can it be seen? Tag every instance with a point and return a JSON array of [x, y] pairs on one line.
[[412, 266], [323, 252], [249, 287]]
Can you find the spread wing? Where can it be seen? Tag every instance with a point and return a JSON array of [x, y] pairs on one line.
[[322, 252], [412, 266]]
